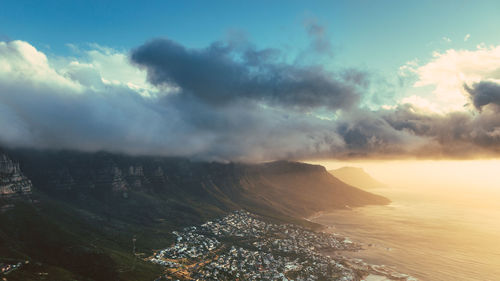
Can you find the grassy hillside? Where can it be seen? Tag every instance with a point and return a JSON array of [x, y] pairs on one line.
[[63, 244]]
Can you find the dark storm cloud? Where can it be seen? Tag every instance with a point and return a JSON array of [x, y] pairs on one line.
[[484, 93], [221, 74], [456, 134], [367, 134]]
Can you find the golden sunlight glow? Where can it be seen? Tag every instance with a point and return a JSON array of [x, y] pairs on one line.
[[464, 174]]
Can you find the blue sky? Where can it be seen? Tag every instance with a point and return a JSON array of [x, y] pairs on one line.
[[302, 80], [381, 35]]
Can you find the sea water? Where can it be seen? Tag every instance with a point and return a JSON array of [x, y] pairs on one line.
[[431, 234]]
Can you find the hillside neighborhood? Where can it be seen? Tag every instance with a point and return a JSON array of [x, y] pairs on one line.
[[243, 246]]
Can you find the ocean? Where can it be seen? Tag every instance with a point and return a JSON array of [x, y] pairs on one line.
[[430, 234]]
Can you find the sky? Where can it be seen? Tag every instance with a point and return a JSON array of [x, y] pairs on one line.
[[253, 80]]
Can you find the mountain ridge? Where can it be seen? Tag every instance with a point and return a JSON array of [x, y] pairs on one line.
[[95, 203], [356, 177]]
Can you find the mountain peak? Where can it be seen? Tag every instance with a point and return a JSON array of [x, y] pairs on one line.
[[357, 177]]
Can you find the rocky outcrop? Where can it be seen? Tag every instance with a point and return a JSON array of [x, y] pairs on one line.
[[135, 176], [12, 180], [112, 176]]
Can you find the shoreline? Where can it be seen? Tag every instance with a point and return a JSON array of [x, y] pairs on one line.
[[374, 272]]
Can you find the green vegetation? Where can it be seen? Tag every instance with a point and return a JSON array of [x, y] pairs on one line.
[[61, 244]]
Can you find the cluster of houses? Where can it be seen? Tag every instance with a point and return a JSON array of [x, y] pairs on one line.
[[242, 246], [7, 268], [189, 244], [293, 239], [243, 264]]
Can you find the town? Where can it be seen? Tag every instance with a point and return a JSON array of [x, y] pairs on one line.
[[6, 268], [243, 246]]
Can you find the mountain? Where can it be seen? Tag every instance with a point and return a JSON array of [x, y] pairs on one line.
[[356, 177], [300, 189], [88, 213]]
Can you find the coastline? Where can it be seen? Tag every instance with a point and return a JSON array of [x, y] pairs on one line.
[[374, 272], [207, 250]]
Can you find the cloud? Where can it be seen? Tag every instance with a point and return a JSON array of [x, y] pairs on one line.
[[69, 106], [484, 93], [447, 72], [456, 134], [69, 103], [222, 74], [318, 35], [227, 101], [466, 38], [19, 61], [98, 65]]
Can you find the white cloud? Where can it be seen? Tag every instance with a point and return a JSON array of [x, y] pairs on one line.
[[21, 63], [64, 102], [109, 67], [422, 104], [115, 68], [408, 69], [95, 68], [466, 37], [447, 73], [388, 107], [446, 39]]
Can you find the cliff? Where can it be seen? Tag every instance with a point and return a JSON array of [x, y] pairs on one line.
[[12, 180], [290, 188]]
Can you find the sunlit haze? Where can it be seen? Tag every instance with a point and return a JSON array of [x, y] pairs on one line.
[[429, 174]]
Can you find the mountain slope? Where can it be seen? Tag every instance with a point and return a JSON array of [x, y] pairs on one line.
[[89, 206], [301, 190], [356, 177]]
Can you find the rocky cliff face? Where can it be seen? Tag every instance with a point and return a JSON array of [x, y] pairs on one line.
[[12, 180]]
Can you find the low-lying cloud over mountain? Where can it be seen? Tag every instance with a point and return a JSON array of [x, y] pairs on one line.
[[228, 101]]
